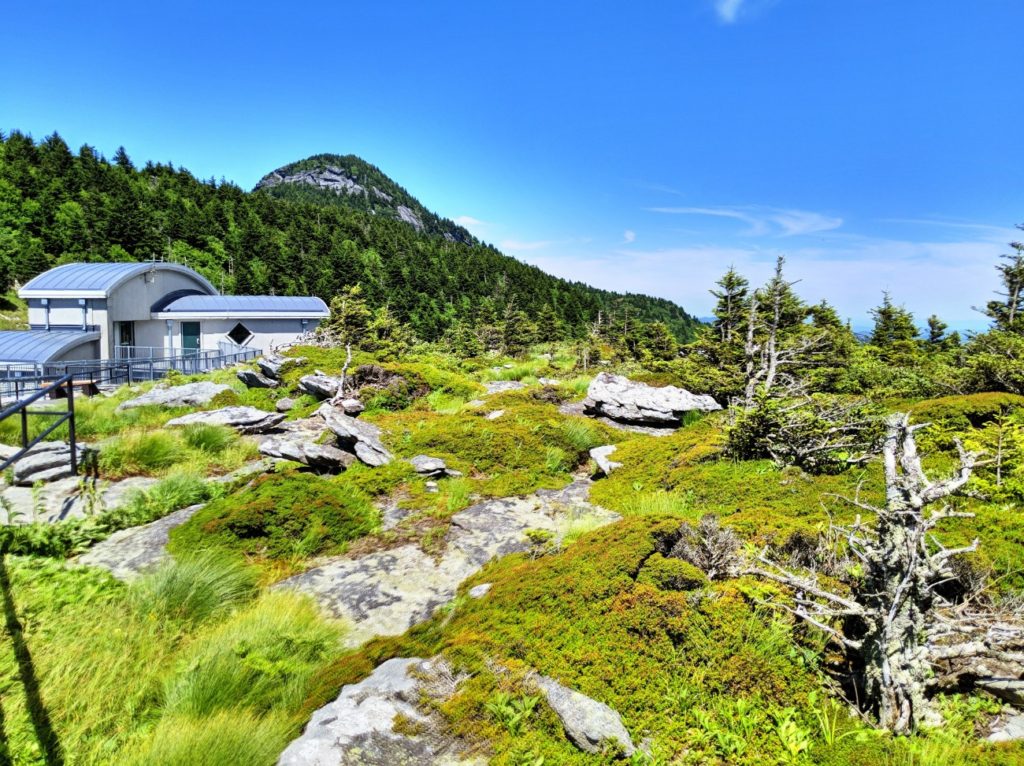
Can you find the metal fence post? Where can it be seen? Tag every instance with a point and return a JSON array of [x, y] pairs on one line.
[[71, 426]]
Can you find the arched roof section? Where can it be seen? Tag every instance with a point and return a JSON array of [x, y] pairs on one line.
[[38, 346], [99, 280]]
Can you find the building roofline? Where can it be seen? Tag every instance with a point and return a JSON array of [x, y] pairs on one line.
[[129, 273]]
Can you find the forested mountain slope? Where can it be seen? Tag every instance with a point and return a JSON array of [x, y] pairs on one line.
[[57, 206]]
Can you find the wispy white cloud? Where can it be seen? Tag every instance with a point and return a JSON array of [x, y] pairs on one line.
[[764, 221], [728, 10], [947, 278], [469, 221], [628, 237]]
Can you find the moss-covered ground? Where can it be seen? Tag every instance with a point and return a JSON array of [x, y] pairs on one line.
[[704, 673]]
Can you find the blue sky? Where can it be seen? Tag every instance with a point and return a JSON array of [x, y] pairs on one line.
[[642, 146]]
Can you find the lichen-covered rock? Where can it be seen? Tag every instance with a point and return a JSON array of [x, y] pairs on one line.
[[187, 395], [380, 721], [432, 467], [46, 461], [319, 385], [601, 455], [362, 437], [588, 723], [253, 379], [384, 593], [130, 552], [286, 404], [249, 420], [352, 407], [1007, 729], [622, 399], [305, 450]]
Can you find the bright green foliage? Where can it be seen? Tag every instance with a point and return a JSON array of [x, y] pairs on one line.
[[670, 574], [193, 588], [1008, 313], [208, 438], [226, 738], [260, 659], [349, 317], [281, 517], [115, 665]]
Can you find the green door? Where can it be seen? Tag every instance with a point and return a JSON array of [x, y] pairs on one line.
[[190, 337]]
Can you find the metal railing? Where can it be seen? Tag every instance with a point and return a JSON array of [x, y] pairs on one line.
[[21, 408], [18, 380]]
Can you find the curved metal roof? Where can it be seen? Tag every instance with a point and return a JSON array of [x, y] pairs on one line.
[[39, 345], [96, 279], [250, 305]]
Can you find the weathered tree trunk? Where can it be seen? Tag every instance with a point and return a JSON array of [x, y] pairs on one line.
[[892, 609]]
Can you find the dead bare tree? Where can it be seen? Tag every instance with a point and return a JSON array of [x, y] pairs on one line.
[[892, 614]]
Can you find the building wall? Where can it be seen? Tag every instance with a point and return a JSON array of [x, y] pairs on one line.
[[266, 332], [66, 313]]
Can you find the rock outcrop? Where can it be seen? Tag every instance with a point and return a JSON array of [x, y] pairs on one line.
[[130, 552], [247, 420], [385, 592], [65, 499], [624, 400], [320, 385], [362, 725], [500, 386], [253, 379], [362, 437], [46, 461], [591, 725], [187, 395]]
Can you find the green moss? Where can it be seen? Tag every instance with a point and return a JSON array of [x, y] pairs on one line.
[[961, 412], [670, 574], [282, 518]]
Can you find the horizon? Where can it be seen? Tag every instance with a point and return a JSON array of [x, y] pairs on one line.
[[637, 151]]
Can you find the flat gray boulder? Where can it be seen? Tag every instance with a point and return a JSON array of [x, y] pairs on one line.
[[130, 552], [602, 456], [588, 723], [624, 400], [285, 404], [253, 379], [320, 385], [359, 726], [248, 420], [301, 441], [352, 406], [361, 437], [46, 461], [188, 395]]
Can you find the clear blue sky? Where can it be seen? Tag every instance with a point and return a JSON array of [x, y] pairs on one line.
[[642, 146]]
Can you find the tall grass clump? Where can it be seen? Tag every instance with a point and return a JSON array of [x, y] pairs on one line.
[[194, 589], [208, 438], [140, 453], [655, 503], [177, 490], [262, 658], [227, 738]]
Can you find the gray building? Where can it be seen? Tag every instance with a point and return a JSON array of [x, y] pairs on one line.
[[109, 311]]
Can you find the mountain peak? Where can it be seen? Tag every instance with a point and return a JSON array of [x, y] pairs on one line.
[[348, 181]]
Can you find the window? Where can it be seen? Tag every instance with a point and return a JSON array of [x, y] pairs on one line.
[[240, 334]]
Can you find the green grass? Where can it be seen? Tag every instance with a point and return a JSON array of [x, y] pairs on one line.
[[157, 672], [193, 589]]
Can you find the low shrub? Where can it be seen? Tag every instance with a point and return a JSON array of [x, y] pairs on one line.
[[670, 574], [281, 517], [962, 412]]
